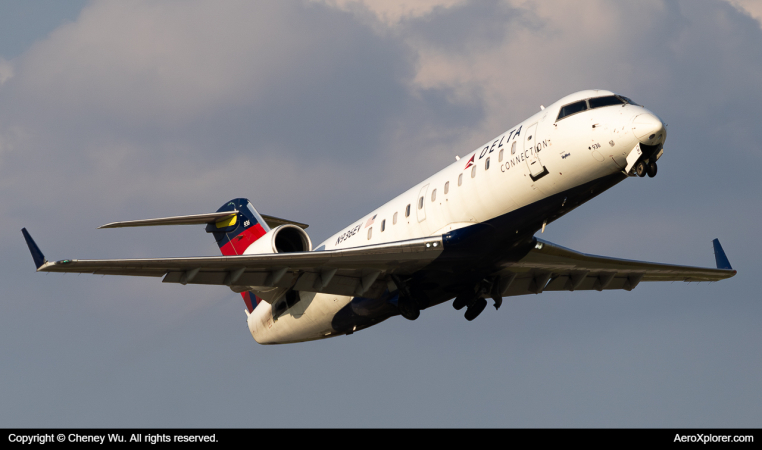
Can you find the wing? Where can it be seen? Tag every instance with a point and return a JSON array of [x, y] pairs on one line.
[[363, 270], [550, 267], [355, 271]]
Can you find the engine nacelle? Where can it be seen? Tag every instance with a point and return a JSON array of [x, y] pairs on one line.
[[285, 238]]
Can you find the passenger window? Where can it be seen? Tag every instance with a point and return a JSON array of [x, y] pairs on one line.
[[420, 203], [383, 225], [473, 172], [500, 156], [370, 232], [447, 187], [407, 210], [572, 108], [460, 179], [513, 148], [394, 219], [486, 164], [433, 195], [600, 102]]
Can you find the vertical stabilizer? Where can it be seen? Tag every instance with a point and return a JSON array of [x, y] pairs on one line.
[[236, 234]]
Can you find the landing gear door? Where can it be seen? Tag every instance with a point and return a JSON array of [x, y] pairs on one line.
[[531, 147]]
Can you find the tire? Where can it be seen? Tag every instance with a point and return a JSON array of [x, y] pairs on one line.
[[641, 169], [652, 169], [459, 302], [407, 309], [475, 309]]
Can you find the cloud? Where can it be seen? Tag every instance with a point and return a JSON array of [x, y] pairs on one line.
[[391, 12], [6, 71], [751, 7], [321, 111], [157, 102]]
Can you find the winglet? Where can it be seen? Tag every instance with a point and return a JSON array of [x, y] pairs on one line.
[[719, 256], [37, 256]]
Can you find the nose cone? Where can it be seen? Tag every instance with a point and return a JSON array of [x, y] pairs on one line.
[[649, 129]]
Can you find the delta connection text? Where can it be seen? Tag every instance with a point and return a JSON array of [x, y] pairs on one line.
[[81, 438]]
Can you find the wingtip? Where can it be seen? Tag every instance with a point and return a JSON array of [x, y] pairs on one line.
[[37, 256], [719, 256]]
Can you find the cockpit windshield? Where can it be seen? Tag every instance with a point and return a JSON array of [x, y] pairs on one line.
[[610, 100], [593, 103], [572, 108]]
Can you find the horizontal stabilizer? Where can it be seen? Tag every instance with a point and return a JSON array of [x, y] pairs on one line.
[[198, 219], [719, 256], [37, 256]]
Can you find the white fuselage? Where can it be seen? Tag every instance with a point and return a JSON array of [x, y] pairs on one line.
[[488, 182]]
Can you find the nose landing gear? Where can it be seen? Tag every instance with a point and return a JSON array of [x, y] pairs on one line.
[[652, 169], [642, 169]]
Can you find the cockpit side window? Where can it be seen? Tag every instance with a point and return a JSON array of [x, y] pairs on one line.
[[572, 108], [610, 100], [628, 100]]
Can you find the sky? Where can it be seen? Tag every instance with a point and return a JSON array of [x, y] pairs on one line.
[[319, 111]]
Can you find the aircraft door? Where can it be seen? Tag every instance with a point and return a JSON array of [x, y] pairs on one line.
[[531, 155], [420, 204]]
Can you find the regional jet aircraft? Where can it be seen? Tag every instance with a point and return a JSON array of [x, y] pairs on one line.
[[465, 233]]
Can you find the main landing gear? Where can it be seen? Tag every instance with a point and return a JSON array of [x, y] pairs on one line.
[[408, 304], [642, 169], [474, 300]]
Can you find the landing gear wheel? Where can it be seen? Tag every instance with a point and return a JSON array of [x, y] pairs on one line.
[[474, 310], [420, 300], [461, 301], [641, 169], [652, 169], [407, 308]]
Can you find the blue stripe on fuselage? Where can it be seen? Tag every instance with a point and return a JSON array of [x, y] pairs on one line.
[[473, 252]]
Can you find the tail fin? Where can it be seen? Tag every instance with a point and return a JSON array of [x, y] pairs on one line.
[[234, 235], [251, 299]]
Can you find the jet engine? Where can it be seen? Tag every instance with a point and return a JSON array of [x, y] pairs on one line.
[[285, 238]]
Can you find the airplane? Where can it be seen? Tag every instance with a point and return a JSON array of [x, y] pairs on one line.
[[465, 233]]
